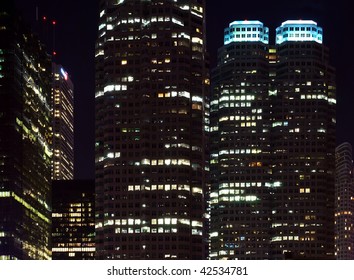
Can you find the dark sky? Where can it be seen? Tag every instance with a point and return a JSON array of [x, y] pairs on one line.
[[75, 35]]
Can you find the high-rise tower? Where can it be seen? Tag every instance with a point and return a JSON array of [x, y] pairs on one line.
[[25, 142], [240, 144], [344, 211], [151, 120], [303, 141], [273, 141], [63, 124]]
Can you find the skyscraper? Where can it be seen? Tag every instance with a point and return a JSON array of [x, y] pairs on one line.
[[240, 144], [25, 142], [151, 121], [303, 139], [63, 124], [344, 219], [273, 141]]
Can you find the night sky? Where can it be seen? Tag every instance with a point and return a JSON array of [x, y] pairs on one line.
[[76, 29]]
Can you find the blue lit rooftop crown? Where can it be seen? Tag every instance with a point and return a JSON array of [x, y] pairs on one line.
[[246, 31], [299, 30]]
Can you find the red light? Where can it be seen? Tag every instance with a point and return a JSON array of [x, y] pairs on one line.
[[54, 53], [54, 22], [44, 18]]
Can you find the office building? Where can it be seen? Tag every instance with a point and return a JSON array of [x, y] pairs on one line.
[[344, 203], [73, 220], [151, 122], [63, 124], [304, 144], [25, 142], [240, 144], [273, 142]]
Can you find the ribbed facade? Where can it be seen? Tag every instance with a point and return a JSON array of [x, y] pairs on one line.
[[25, 142], [344, 219], [273, 142], [151, 121], [63, 124]]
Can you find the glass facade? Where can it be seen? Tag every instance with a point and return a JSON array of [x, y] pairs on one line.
[[25, 143], [151, 107]]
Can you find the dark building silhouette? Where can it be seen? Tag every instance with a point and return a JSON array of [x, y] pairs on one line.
[[25, 141], [344, 211], [73, 220], [273, 141], [151, 123]]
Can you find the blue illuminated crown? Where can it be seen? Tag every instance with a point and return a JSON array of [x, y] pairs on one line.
[[299, 30], [246, 31]]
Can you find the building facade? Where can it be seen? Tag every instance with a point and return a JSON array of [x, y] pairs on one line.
[[304, 144], [25, 142], [240, 144], [73, 220], [63, 124], [344, 208], [273, 142], [151, 122]]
